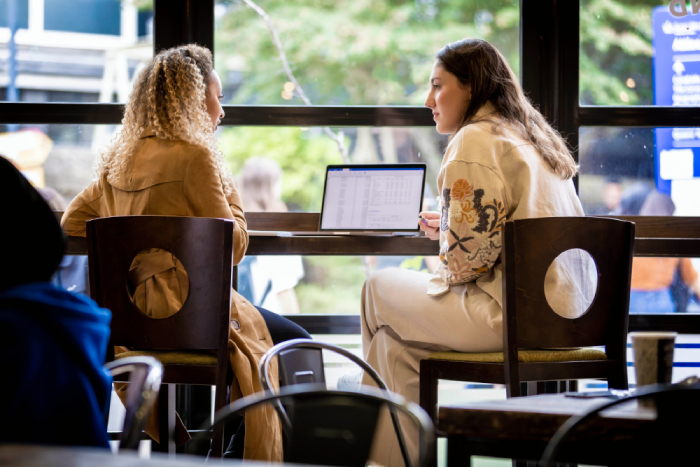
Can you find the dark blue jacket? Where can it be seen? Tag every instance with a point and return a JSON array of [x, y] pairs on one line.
[[54, 389]]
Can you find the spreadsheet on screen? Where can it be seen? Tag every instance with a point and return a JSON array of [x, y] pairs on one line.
[[372, 198]]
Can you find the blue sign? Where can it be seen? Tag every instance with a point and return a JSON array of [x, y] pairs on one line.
[[676, 63]]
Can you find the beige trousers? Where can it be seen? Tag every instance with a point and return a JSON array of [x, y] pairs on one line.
[[402, 324]]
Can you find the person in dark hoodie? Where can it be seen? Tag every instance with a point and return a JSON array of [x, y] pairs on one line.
[[53, 343]]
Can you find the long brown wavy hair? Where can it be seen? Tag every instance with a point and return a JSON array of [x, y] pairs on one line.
[[480, 65], [169, 98]]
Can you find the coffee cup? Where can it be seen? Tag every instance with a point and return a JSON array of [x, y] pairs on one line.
[[653, 358]]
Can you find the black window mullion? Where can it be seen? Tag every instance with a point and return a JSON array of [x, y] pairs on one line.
[[336, 116], [538, 64], [549, 44], [178, 22], [641, 116], [29, 113], [567, 14]]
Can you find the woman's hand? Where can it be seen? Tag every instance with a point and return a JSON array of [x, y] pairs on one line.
[[430, 224]]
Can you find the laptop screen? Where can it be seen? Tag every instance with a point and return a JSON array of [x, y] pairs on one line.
[[385, 197]]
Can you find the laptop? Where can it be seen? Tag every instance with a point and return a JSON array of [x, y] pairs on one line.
[[372, 199]]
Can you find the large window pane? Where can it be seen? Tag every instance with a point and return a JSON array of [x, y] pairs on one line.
[[377, 52], [641, 171], [321, 284], [74, 51], [631, 47], [59, 160], [316, 284]]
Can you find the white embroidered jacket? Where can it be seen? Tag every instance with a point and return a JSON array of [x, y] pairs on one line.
[[489, 176]]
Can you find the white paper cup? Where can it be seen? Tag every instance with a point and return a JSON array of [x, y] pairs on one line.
[[653, 358]]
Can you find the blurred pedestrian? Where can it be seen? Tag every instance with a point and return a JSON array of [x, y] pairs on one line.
[[267, 281], [652, 278]]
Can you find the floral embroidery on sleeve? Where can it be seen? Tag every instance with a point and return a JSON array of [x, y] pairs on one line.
[[471, 232]]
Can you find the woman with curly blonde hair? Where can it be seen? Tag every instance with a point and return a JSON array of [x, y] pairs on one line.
[[165, 161]]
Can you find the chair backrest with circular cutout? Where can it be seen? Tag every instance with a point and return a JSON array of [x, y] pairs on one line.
[[530, 248], [205, 249]]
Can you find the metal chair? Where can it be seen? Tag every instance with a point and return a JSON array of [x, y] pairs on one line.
[[331, 427], [192, 344], [300, 361], [145, 377]]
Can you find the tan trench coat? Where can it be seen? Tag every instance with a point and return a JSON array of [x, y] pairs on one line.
[[177, 179]]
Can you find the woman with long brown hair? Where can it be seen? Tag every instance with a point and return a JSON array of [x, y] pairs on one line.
[[503, 162], [165, 161]]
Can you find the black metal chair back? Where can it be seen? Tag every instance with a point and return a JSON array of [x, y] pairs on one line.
[[331, 427], [301, 366], [305, 360]]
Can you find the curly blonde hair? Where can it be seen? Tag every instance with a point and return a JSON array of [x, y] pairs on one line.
[[169, 98]]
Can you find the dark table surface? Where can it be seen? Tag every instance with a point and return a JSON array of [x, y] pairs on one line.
[[535, 417], [16, 455], [520, 428]]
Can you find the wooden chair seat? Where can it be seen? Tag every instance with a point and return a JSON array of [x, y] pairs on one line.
[[167, 357], [524, 356], [179, 367]]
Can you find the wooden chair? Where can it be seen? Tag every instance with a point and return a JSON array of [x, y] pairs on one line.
[[192, 344], [529, 247]]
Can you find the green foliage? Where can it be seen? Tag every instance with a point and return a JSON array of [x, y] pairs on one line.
[[143, 5], [616, 46], [415, 263], [331, 284], [302, 157], [355, 51], [381, 52]]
